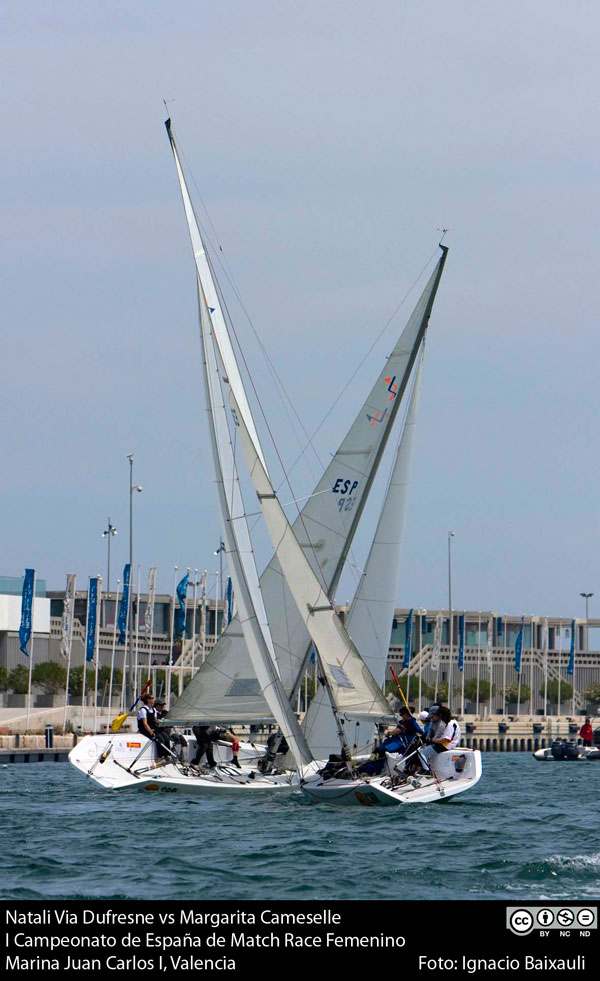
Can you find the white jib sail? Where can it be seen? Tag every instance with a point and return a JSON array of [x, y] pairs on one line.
[[356, 689], [224, 686], [241, 557], [369, 621]]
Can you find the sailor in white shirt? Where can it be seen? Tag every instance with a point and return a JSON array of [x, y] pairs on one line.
[[442, 740]]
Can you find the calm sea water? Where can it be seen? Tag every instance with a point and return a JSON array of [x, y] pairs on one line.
[[528, 830]]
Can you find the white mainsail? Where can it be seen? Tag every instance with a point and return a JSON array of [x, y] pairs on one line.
[[240, 554], [369, 621], [225, 687], [236, 535]]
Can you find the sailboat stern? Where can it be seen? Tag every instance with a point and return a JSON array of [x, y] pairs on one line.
[[455, 772]]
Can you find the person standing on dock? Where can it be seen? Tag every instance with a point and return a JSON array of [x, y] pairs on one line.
[[586, 734]]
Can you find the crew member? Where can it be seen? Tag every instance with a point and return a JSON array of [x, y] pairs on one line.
[[205, 736], [170, 736], [444, 739], [146, 717], [586, 733]]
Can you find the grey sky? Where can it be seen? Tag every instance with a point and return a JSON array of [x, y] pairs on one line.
[[329, 141]]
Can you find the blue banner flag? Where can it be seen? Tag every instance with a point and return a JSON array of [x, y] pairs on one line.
[[519, 647], [182, 589], [571, 663], [499, 626], [26, 610], [90, 640], [423, 625], [122, 619], [408, 640], [229, 600], [461, 641]]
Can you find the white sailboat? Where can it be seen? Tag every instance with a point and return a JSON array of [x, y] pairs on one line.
[[299, 580]]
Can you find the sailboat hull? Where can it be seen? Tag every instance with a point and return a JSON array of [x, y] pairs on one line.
[[129, 762], [455, 772]]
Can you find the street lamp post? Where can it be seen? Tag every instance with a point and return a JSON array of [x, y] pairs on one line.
[[110, 531], [586, 597], [132, 487]]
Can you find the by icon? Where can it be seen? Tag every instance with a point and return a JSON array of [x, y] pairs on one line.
[[545, 917]]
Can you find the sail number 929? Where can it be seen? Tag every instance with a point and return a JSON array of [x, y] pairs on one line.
[[345, 488]]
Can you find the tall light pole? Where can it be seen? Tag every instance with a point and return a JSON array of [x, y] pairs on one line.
[[110, 531], [450, 622], [586, 597], [132, 487]]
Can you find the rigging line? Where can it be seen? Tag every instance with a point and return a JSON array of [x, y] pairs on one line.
[[282, 393], [285, 472], [318, 573], [229, 275], [279, 386], [359, 366], [298, 500]]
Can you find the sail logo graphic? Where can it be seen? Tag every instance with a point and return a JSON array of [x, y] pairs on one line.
[[376, 417], [392, 387]]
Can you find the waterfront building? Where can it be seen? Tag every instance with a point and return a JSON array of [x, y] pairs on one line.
[[482, 687]]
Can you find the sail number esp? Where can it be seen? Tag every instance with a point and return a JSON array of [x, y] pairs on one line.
[[346, 488]]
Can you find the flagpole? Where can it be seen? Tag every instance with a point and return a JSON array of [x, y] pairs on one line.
[[559, 665], [151, 600], [519, 689], [136, 670], [478, 663], [504, 664], [112, 658], [70, 600], [450, 617], [462, 685], [531, 665], [546, 646], [490, 653], [170, 667], [83, 680], [194, 622], [216, 623], [97, 649], [203, 623], [31, 654], [183, 634], [424, 615], [573, 666]]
